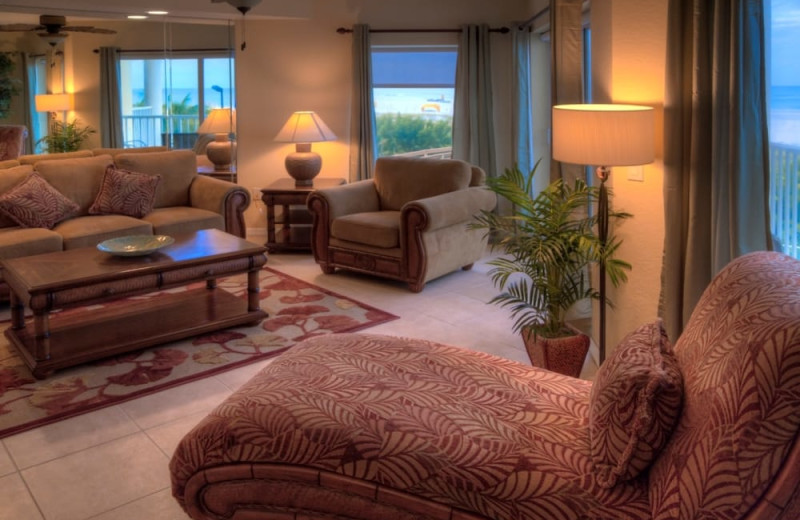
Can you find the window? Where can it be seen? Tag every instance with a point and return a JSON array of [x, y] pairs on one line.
[[413, 89], [37, 84], [161, 97], [783, 79]]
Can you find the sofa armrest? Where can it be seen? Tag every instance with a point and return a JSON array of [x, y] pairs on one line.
[[356, 197], [226, 198], [451, 208]]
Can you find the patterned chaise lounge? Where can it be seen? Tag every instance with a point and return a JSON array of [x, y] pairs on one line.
[[372, 427]]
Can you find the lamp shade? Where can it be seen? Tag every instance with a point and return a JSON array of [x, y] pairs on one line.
[[54, 102], [219, 121], [305, 127], [603, 135]]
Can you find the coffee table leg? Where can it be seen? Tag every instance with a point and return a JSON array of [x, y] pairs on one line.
[[253, 289], [211, 284], [41, 327], [17, 312]]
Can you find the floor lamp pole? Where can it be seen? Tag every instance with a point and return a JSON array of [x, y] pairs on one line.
[[602, 231]]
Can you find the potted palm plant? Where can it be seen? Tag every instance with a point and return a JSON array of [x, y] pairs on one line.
[[549, 241], [65, 137]]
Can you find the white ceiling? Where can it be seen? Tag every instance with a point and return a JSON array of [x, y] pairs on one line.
[[179, 10]]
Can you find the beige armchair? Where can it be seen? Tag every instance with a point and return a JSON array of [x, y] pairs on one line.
[[408, 223]]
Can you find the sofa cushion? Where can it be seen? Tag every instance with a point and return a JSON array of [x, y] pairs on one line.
[[635, 403], [125, 193], [375, 228], [35, 159], [34, 203], [177, 168], [183, 219], [113, 152], [16, 242], [9, 163], [78, 179], [399, 180], [88, 231]]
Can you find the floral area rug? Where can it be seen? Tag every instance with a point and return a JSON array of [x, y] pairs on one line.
[[297, 310]]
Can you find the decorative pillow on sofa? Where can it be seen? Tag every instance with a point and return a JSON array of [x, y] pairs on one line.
[[123, 192], [634, 405], [35, 203]]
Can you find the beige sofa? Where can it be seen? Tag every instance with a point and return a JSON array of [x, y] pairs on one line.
[[184, 200]]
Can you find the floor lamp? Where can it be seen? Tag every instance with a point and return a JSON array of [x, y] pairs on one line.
[[605, 136]]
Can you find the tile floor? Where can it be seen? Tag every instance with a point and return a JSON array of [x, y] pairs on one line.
[[112, 464]]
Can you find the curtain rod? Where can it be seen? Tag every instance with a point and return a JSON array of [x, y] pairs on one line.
[[142, 51], [343, 30]]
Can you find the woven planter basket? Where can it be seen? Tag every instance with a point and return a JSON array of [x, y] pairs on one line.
[[564, 355]]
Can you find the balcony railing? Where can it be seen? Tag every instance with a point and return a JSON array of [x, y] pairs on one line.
[[784, 197], [175, 131], [430, 153]]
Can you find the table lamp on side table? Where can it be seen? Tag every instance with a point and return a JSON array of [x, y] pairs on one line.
[[304, 128], [605, 135], [221, 122]]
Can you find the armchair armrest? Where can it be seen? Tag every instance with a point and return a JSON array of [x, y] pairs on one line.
[[451, 208], [356, 197], [226, 198]]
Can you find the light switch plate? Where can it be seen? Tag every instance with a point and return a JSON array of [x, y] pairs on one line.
[[636, 173]]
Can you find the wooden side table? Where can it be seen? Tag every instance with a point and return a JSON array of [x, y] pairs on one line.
[[226, 175], [291, 229]]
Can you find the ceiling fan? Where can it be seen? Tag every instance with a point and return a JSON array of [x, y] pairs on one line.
[[53, 25]]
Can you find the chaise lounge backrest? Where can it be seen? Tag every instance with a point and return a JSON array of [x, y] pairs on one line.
[[734, 451]]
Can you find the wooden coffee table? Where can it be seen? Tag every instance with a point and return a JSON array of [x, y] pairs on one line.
[[80, 277]]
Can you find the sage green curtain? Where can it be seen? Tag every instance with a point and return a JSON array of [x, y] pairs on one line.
[[110, 105], [473, 117], [566, 74], [716, 147], [521, 110], [363, 140]]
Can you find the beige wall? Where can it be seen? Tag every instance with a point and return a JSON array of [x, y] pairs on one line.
[[291, 65], [629, 51]]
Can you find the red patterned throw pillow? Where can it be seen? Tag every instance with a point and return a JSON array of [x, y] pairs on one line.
[[35, 203], [123, 192], [634, 405]]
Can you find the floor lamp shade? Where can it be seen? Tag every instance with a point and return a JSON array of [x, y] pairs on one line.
[[221, 122], [304, 128], [54, 102], [603, 135]]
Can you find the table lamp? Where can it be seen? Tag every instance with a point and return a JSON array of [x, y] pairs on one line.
[[603, 135], [304, 128], [221, 122]]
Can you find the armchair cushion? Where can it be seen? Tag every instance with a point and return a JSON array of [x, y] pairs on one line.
[[635, 403], [375, 228], [400, 180]]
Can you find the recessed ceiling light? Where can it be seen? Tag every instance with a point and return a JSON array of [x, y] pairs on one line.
[[158, 13], [137, 17]]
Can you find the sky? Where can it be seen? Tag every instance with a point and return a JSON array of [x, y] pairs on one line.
[[785, 42]]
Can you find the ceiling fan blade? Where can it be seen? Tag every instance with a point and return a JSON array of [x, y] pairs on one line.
[[88, 29], [20, 27]]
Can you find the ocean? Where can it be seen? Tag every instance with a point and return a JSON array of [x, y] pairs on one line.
[[784, 115]]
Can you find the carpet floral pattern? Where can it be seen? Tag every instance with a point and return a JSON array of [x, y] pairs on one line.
[[297, 311]]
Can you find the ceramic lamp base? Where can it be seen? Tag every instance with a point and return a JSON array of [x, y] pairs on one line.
[[220, 153], [303, 165]]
